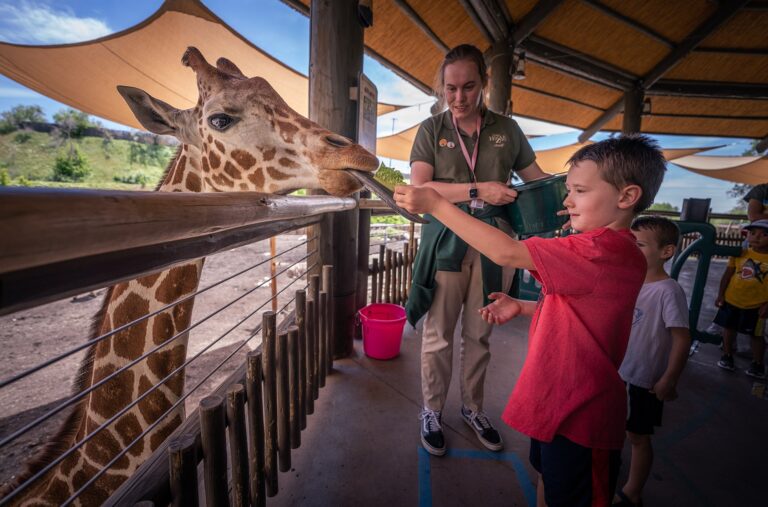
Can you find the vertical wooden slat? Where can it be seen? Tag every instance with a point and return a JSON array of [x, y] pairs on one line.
[[400, 278], [269, 337], [182, 453], [309, 365], [273, 271], [254, 374], [212, 434], [327, 286], [388, 276], [374, 280], [238, 445], [301, 323], [328, 337], [322, 342], [382, 269], [283, 404], [293, 385], [407, 261]]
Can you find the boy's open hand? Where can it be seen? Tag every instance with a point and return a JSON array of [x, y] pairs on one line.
[[417, 199], [503, 309]]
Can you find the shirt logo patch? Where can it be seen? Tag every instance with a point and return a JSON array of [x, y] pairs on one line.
[[498, 140], [752, 269], [445, 143]]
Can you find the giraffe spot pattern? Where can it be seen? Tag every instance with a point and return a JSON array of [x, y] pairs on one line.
[[257, 178], [162, 327], [149, 280], [102, 448], [222, 180], [128, 343], [280, 111], [109, 398], [163, 362], [220, 147], [303, 122], [287, 162], [193, 182], [276, 175], [214, 160], [243, 158], [243, 186], [287, 130], [154, 405], [291, 152], [181, 280], [182, 313], [128, 428], [232, 171], [210, 138], [268, 110], [269, 154], [157, 438]]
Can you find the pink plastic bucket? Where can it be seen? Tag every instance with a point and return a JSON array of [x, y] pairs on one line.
[[382, 329]]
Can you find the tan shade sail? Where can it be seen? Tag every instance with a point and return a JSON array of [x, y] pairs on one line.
[[147, 56], [750, 170]]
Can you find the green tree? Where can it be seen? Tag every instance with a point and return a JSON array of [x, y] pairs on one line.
[[71, 167], [5, 178], [17, 116], [72, 123], [663, 206]]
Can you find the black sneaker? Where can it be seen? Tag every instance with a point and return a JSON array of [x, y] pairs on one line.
[[486, 433], [432, 432], [756, 370], [726, 362]]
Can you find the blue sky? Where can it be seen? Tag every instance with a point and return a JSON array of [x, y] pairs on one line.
[[284, 33]]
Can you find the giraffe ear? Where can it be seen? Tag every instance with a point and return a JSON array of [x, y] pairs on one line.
[[154, 114], [225, 65]]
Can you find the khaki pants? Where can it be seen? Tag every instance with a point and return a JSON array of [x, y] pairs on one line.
[[454, 290]]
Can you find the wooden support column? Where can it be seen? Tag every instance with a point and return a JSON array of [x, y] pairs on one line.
[[633, 110], [335, 61], [499, 59]]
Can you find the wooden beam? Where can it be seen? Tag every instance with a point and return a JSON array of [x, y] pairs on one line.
[[470, 10], [734, 51], [708, 89], [707, 116], [492, 17], [555, 96], [724, 12], [400, 72], [533, 19], [421, 24], [633, 111], [632, 23]]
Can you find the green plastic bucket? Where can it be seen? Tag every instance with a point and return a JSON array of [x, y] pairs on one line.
[[535, 209]]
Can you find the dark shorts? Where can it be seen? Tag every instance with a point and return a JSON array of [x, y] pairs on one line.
[[644, 410], [745, 321], [573, 475]]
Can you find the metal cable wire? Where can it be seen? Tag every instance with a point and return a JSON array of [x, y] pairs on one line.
[[70, 451], [98, 339], [222, 363], [39, 420]]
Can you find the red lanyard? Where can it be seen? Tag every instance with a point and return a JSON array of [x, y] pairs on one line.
[[470, 162]]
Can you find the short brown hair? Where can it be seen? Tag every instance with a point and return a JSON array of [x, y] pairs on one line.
[[461, 52], [666, 230], [633, 159]]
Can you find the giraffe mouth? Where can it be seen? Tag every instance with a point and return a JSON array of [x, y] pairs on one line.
[[385, 194]]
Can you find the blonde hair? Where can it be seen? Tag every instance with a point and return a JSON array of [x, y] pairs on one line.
[[461, 52]]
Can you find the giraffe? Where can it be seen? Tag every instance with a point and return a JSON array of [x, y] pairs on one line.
[[240, 136]]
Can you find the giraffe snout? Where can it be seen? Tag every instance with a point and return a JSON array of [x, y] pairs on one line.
[[337, 141]]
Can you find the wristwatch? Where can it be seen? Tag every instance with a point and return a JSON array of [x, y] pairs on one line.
[[473, 191]]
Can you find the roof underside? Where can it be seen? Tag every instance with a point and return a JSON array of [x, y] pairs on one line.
[[703, 64]]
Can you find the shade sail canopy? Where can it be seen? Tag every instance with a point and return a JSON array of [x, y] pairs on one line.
[[703, 64], [147, 56], [750, 170]]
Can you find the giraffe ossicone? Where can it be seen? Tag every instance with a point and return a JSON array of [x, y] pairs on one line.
[[240, 136]]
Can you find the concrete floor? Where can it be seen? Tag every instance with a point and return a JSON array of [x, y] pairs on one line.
[[362, 445]]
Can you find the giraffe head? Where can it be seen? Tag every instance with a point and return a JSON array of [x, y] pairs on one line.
[[248, 138]]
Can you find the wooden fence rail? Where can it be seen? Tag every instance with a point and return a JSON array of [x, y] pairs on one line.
[[392, 272]]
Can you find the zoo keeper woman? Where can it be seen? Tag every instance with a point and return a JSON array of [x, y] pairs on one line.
[[467, 154]]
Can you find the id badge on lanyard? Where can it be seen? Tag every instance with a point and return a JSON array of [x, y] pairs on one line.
[[471, 162]]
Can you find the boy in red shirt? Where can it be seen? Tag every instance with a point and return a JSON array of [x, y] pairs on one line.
[[569, 397]]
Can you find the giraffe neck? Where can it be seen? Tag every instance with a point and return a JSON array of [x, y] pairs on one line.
[[124, 303]]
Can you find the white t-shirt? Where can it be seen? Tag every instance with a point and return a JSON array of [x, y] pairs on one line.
[[660, 306]]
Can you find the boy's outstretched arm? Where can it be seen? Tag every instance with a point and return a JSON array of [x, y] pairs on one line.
[[505, 308], [681, 344], [486, 239]]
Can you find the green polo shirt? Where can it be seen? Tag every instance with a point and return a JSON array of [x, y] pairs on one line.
[[503, 149]]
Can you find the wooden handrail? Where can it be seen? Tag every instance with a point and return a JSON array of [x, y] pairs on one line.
[[42, 226]]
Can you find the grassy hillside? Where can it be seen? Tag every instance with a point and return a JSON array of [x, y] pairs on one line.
[[29, 158]]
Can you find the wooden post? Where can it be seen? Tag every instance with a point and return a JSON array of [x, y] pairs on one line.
[[335, 62], [374, 280], [283, 404], [212, 428], [301, 324], [328, 339], [388, 277], [400, 278], [363, 251], [633, 110], [269, 337], [182, 453], [310, 360], [238, 445], [328, 287], [273, 271], [253, 379], [293, 385], [499, 61], [322, 334], [380, 275]]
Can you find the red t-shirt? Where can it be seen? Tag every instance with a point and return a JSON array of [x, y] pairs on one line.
[[569, 384]]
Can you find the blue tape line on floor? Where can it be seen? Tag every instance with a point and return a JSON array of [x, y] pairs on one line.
[[523, 478]]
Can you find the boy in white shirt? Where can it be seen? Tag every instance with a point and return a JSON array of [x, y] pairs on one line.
[[657, 350]]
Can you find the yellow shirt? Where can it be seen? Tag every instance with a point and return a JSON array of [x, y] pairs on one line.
[[748, 287]]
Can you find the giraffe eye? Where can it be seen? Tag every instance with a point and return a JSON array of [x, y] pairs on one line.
[[221, 121]]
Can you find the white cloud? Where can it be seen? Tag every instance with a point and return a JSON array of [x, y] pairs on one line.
[[35, 23], [9, 92]]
